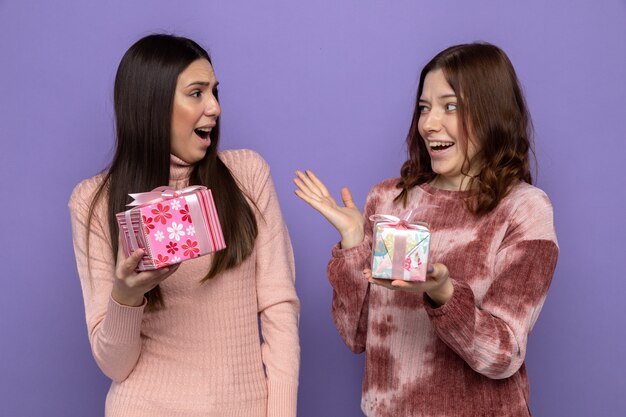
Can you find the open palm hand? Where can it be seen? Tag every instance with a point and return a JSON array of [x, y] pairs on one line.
[[347, 219]]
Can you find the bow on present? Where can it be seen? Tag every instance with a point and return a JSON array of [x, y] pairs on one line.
[[393, 221], [161, 194], [399, 240]]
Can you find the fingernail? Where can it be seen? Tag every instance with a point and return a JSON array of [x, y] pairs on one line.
[[431, 269]]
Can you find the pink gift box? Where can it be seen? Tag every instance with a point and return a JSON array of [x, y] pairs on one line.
[[171, 226]]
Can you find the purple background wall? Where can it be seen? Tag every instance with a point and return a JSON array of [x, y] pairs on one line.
[[328, 86]]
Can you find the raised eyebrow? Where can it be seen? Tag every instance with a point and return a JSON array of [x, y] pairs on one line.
[[202, 84], [442, 97]]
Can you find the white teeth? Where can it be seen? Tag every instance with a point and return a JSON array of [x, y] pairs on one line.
[[434, 144], [204, 129]]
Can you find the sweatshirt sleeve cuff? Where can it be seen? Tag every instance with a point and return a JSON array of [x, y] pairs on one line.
[[122, 324], [457, 306], [282, 399], [360, 250]]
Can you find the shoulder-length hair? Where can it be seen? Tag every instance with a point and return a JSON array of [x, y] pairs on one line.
[[492, 110], [145, 84]]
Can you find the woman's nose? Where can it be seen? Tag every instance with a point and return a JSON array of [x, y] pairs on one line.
[[212, 107], [431, 122]]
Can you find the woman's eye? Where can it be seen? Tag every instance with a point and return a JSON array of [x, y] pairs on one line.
[[450, 106], [422, 109], [195, 94]]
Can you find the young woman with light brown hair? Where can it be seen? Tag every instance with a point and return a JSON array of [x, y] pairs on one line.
[[455, 344]]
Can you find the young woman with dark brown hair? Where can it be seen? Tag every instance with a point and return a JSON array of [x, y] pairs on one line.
[[184, 340], [455, 344]]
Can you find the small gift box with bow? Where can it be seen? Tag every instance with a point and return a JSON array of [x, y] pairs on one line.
[[171, 226], [399, 249]]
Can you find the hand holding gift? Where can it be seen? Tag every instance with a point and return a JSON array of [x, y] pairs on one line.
[[171, 226], [129, 286], [437, 286], [400, 251]]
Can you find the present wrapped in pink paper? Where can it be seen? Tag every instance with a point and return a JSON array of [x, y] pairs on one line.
[[171, 226], [399, 248]]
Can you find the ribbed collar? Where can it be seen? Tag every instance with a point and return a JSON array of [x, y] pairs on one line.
[[180, 171], [445, 193]]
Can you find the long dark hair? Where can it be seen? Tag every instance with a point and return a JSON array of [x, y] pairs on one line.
[[143, 98], [492, 107]]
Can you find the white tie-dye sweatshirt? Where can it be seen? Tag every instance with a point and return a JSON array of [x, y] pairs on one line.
[[465, 358]]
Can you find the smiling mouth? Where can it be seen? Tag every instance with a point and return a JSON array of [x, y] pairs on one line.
[[440, 146], [203, 133]]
